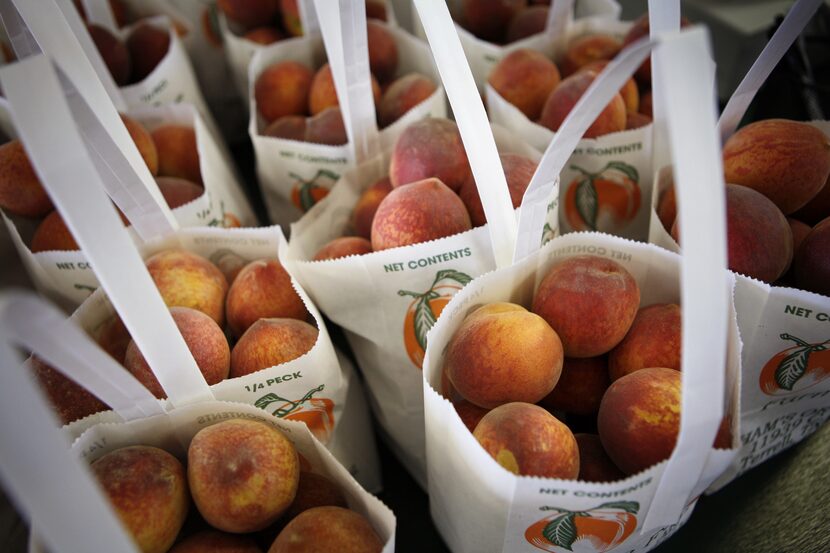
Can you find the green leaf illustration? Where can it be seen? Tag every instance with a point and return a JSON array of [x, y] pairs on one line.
[[586, 202], [326, 173], [792, 368], [452, 274], [266, 400], [561, 531], [626, 169], [547, 233], [424, 318], [627, 506], [306, 199]]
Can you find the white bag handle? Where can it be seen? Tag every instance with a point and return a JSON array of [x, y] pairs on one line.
[[347, 48], [797, 18], [66, 171], [475, 130], [663, 17], [46, 479], [561, 14], [100, 13], [125, 175]]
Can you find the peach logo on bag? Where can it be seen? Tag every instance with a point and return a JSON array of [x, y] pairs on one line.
[[316, 412], [599, 529], [425, 309], [306, 193], [605, 201], [799, 366]]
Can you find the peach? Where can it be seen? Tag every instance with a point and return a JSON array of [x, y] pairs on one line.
[[177, 152], [502, 353], [178, 192], [229, 263], [530, 21], [313, 491], [113, 337], [800, 232], [594, 464], [639, 418], [148, 45], [635, 120], [488, 19], [21, 192], [327, 127], [114, 53], [204, 339], [646, 104], [271, 342], [243, 474], [376, 9], [786, 161], [470, 413], [147, 488], [144, 142], [525, 78], [264, 35], [629, 92], [588, 49], [323, 94], [652, 341], [262, 289], [518, 170], [283, 89], [418, 212], [291, 17], [430, 148], [291, 127], [403, 94], [565, 96], [667, 208], [637, 31], [212, 541], [812, 264], [343, 247], [383, 51], [328, 530], [723, 439], [70, 401], [590, 302], [816, 209], [527, 440], [52, 234], [581, 386], [367, 205], [185, 279], [249, 13]]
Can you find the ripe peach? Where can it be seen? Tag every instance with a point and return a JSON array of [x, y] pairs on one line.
[[418, 212], [185, 279], [262, 289], [367, 205], [271, 342], [249, 13], [178, 192], [178, 154], [532, 20], [527, 440], [376, 9], [490, 369], [581, 386], [646, 104], [147, 488], [635, 120], [652, 341], [282, 89], [639, 418], [565, 96], [667, 208], [70, 401], [323, 94], [229, 263], [291, 17], [629, 92], [327, 127], [590, 302], [430, 148], [800, 232], [403, 94], [243, 474], [291, 127], [470, 413], [328, 530], [816, 209], [383, 51], [594, 464], [488, 19], [315, 490], [525, 78], [213, 541], [264, 35], [588, 49], [812, 264], [115, 54], [204, 339], [113, 337], [518, 170], [52, 234], [343, 247], [20, 190], [144, 142], [148, 45], [786, 161]]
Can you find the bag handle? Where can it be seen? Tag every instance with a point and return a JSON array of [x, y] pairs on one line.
[[36, 463], [67, 173], [561, 15], [129, 183], [347, 48], [797, 18], [663, 17], [100, 13], [473, 125]]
